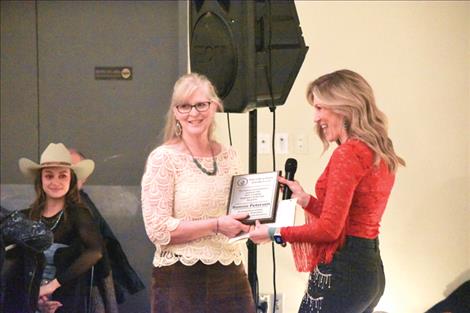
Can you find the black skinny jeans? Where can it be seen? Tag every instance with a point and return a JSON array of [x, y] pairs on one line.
[[352, 283]]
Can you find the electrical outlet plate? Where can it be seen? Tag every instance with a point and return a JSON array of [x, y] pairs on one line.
[[264, 143], [269, 298], [281, 143], [301, 144]]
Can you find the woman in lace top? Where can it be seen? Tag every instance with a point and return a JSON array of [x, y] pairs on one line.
[[184, 199], [339, 245]]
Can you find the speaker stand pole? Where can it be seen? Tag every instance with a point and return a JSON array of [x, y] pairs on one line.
[[252, 163]]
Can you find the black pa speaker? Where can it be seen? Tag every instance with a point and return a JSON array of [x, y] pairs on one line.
[[251, 50]]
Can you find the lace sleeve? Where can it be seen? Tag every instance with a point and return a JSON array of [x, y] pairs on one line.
[[346, 169], [313, 206], [158, 184]]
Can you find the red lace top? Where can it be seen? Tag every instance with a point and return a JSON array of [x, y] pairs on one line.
[[351, 194]]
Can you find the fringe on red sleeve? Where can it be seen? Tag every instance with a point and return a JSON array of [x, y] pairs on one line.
[[307, 254]]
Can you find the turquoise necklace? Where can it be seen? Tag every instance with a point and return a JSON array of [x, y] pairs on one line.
[[199, 165]]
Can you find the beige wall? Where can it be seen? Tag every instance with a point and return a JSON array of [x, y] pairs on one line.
[[416, 56]]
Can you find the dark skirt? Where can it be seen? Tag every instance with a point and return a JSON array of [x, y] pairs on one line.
[[352, 283], [201, 288]]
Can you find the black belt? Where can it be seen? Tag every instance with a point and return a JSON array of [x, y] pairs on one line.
[[353, 241]]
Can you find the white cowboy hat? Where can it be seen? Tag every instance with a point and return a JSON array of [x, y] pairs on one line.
[[56, 155]]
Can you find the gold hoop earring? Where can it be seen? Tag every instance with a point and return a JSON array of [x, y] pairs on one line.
[[178, 129]]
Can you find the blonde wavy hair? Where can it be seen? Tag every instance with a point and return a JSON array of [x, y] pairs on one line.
[[349, 95], [184, 87]]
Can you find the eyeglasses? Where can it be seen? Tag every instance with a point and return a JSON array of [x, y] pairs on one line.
[[200, 107]]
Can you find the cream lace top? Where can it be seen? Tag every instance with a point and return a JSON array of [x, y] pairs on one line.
[[174, 190]]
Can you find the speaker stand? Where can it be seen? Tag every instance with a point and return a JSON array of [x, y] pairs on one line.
[[252, 163]]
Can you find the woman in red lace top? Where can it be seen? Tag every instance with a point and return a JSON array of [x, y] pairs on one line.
[[339, 244]]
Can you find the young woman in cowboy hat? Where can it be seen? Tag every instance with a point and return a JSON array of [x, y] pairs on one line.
[[77, 242]]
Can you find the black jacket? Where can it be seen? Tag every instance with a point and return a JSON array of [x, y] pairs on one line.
[[124, 276], [457, 302]]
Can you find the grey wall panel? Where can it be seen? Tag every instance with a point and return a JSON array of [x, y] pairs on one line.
[[114, 122], [18, 85]]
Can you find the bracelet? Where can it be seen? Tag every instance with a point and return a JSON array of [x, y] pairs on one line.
[[217, 226], [271, 231]]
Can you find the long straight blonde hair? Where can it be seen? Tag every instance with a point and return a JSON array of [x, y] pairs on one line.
[[184, 87], [348, 94]]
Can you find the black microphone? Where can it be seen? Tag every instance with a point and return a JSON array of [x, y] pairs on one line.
[[290, 167]]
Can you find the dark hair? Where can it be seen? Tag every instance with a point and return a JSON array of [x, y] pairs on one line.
[[72, 197]]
